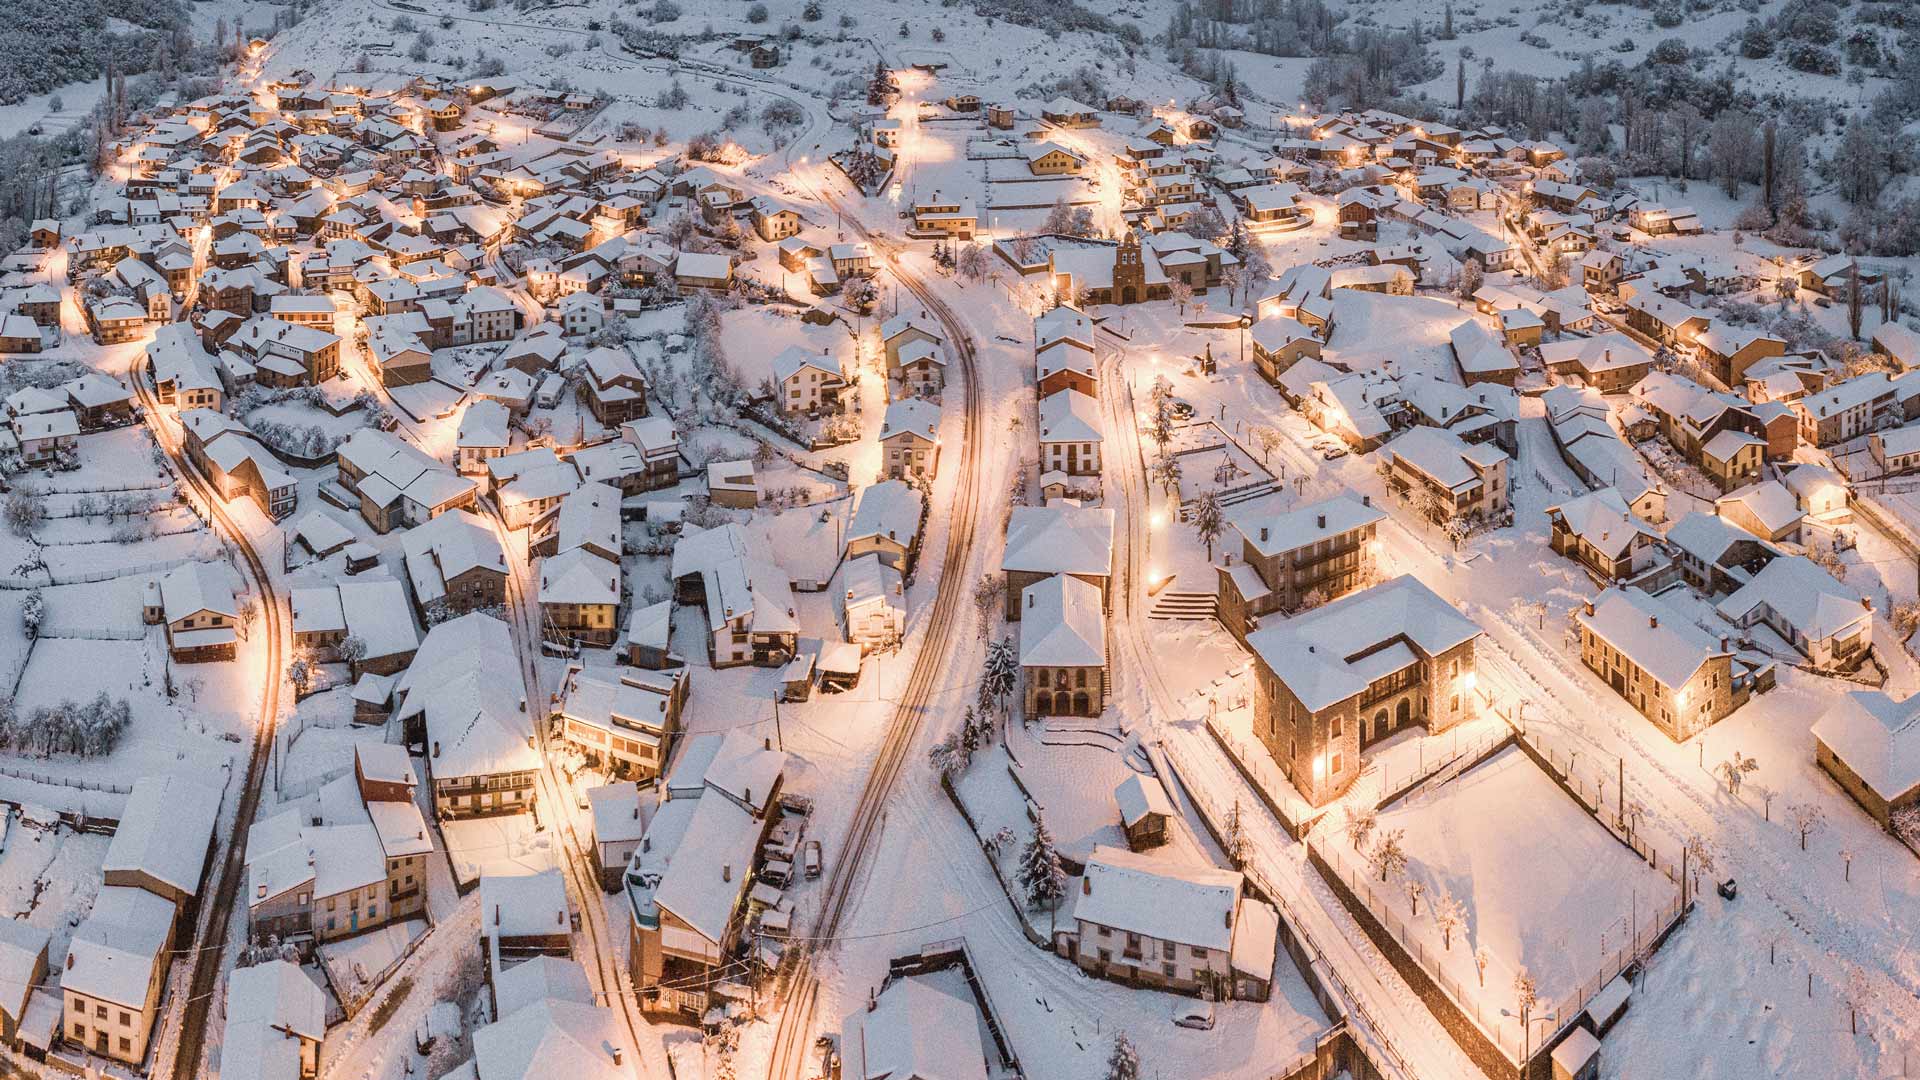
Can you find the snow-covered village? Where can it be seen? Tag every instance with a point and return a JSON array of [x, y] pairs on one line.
[[793, 540]]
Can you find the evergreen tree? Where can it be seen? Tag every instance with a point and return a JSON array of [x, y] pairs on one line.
[[1123, 1061], [1002, 672], [969, 734], [1040, 873]]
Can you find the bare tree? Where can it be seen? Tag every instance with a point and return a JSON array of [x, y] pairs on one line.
[[1359, 825], [1806, 817], [1180, 293], [1450, 915], [1388, 857], [1415, 890], [1735, 769]]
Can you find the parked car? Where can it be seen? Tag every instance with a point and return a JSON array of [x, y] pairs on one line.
[[1193, 1013], [1333, 453], [1182, 410], [810, 858]]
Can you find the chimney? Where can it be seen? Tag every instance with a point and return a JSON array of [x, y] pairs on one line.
[[1029, 600], [560, 917], [726, 872], [1589, 607], [1263, 534], [646, 842], [872, 1002], [69, 961], [618, 1055], [1653, 622], [1323, 520], [766, 744], [1086, 886], [1724, 642], [436, 748], [1366, 500], [496, 914]]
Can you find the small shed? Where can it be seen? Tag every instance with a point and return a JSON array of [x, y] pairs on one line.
[[1144, 811], [796, 679], [839, 666], [1577, 1057]]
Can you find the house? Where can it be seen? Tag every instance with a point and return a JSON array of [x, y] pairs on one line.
[[1065, 112], [399, 485], [873, 606], [1293, 557], [1063, 647], [1668, 321], [1821, 494], [1716, 556], [1765, 509], [731, 484], [1447, 477], [922, 369], [456, 564], [549, 1024], [905, 329], [524, 916], [1046, 540], [1070, 434], [1728, 351], [940, 216], [910, 439], [687, 885], [1866, 741], [42, 437], [1180, 927], [485, 433], [1332, 681], [1145, 810], [1846, 409], [464, 697], [1610, 363], [116, 967], [617, 829], [1480, 356], [317, 882], [579, 592], [917, 1026], [1896, 451], [1825, 621], [1063, 355], [887, 524], [1279, 341], [616, 392], [195, 601], [625, 720], [1673, 672], [806, 382], [1048, 158], [23, 971], [1600, 532], [748, 600]]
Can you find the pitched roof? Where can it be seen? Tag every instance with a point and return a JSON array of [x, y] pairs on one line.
[[1188, 903], [1657, 639], [1877, 737], [1334, 651], [1062, 624]]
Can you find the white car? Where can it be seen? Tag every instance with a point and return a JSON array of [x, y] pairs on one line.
[[1194, 1013]]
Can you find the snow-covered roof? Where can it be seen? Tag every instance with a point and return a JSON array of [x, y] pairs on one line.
[[1059, 540], [1192, 904], [1805, 596], [1062, 624], [1769, 501], [22, 947], [1272, 531], [165, 831], [1877, 737], [1334, 651], [1139, 795], [114, 951], [915, 416], [888, 509], [1602, 352], [193, 587], [466, 680], [1602, 519], [553, 1037], [1069, 416], [1447, 458], [1653, 636], [523, 905], [919, 1027]]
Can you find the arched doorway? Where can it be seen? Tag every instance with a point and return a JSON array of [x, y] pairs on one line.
[[1127, 295], [1081, 705], [1379, 726], [1402, 713], [1061, 702]]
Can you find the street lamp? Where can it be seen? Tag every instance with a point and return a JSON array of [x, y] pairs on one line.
[[1526, 1028]]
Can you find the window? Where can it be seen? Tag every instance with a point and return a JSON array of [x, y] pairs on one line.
[[1335, 727], [1169, 950], [99, 1012], [80, 1006], [126, 1045], [1453, 703], [1333, 765], [1167, 970], [126, 1020], [1199, 952], [1106, 931]]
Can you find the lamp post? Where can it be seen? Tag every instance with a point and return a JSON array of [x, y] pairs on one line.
[[1526, 1019]]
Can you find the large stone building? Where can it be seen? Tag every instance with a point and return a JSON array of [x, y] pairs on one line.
[[1286, 556], [1335, 680]]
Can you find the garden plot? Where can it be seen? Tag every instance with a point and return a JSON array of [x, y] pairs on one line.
[[1402, 333], [110, 606], [1540, 888], [107, 556], [48, 877], [118, 460]]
